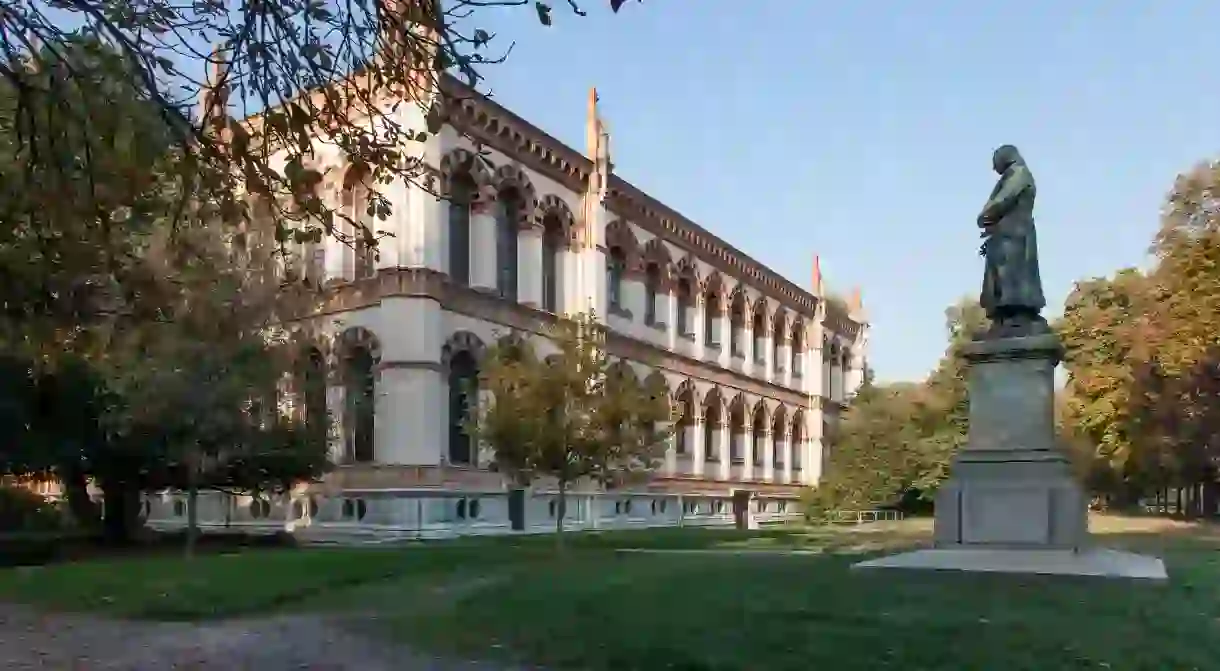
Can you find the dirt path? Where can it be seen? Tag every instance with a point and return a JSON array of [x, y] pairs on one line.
[[29, 640]]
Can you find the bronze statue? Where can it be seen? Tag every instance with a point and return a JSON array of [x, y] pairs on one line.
[[1012, 284]]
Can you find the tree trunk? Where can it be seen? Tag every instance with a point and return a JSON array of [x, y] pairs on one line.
[[120, 511], [76, 490], [561, 510], [192, 503]]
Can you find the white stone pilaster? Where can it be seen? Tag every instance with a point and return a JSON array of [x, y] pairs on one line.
[[784, 365], [529, 267], [747, 346], [411, 399], [724, 327], [633, 301], [667, 314], [568, 271], [593, 294], [769, 358], [483, 261], [697, 327], [427, 241]]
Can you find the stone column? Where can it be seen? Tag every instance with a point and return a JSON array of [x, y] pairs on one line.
[[697, 311], [568, 272], [667, 314], [593, 289], [747, 345], [722, 321], [430, 242], [768, 355], [671, 456], [529, 265], [720, 447], [483, 261], [783, 367], [697, 458], [333, 247], [726, 461]]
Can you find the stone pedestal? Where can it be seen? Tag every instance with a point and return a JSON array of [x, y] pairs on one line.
[[1011, 486], [1011, 503]]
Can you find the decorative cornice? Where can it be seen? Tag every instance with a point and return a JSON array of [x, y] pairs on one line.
[[392, 283], [1043, 346], [484, 120]]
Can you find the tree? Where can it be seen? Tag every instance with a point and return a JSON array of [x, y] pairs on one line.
[[319, 74], [134, 339], [896, 441], [575, 417], [1104, 329]]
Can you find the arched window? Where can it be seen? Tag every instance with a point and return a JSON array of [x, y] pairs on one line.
[[797, 440], [711, 318], [685, 317], [314, 392], [737, 325], [616, 266], [508, 211], [359, 420], [777, 340], [737, 434], [686, 422], [552, 247], [759, 426], [797, 348], [460, 200], [652, 286], [777, 440], [759, 327], [711, 426], [463, 393]]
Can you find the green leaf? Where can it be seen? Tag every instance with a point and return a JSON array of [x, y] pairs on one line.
[[544, 13]]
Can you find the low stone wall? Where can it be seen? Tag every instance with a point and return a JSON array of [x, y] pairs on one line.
[[356, 516]]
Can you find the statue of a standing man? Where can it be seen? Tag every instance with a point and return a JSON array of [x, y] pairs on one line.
[[1012, 285]]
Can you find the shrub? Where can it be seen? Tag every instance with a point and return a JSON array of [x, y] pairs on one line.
[[22, 510]]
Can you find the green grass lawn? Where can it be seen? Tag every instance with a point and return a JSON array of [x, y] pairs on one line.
[[598, 609]]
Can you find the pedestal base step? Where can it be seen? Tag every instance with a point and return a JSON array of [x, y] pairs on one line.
[[1099, 562]]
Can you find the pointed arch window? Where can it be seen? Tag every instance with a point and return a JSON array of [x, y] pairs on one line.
[[463, 392], [759, 437], [508, 212], [652, 287], [711, 427], [552, 248], [616, 267], [686, 320], [460, 200], [359, 420]]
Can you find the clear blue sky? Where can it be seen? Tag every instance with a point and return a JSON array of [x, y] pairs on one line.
[[863, 131]]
